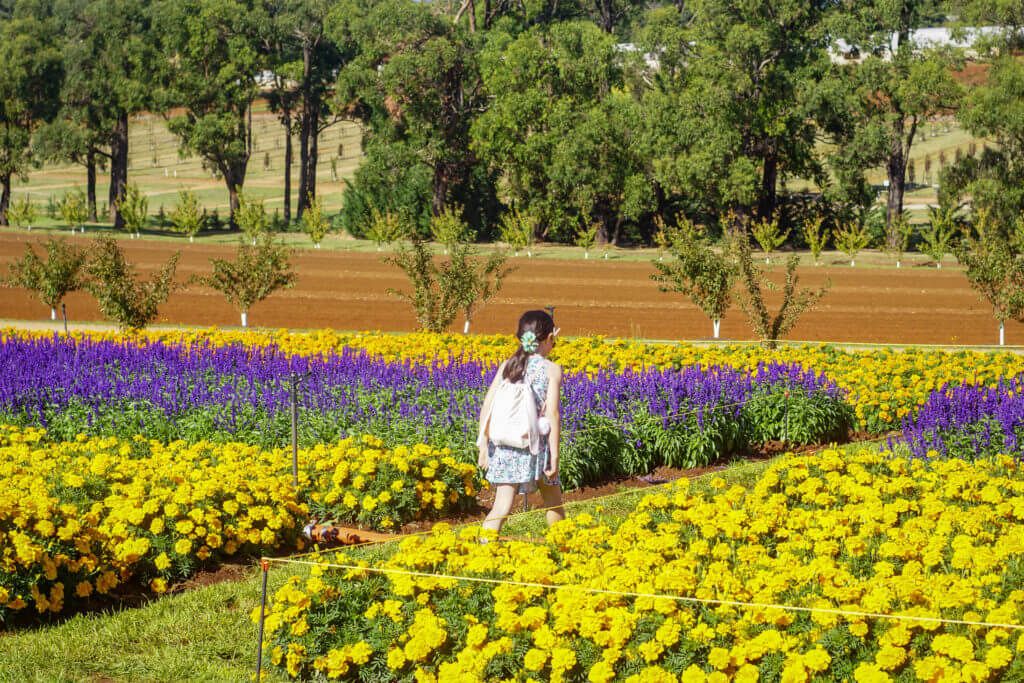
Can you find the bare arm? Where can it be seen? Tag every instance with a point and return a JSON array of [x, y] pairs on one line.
[[482, 459], [553, 413]]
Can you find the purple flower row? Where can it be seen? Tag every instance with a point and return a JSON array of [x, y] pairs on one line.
[[40, 378], [964, 420]]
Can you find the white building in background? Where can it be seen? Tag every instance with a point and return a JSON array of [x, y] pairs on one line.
[[842, 52]]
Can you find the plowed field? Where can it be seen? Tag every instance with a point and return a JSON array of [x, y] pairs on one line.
[[346, 290]]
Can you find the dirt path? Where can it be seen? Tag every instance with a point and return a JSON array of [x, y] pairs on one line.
[[346, 290]]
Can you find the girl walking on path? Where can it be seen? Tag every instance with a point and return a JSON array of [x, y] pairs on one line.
[[512, 469]]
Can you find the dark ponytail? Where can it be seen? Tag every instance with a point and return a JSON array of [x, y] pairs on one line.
[[542, 325]]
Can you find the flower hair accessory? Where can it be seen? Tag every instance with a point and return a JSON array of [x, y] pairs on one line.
[[529, 341]]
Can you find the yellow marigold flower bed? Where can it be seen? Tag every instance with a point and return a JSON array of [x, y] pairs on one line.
[[85, 516], [884, 385], [867, 533]]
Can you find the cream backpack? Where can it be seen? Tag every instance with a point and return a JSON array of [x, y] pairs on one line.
[[512, 419]]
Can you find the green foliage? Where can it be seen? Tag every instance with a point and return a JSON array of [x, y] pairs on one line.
[[385, 228], [994, 180], [448, 228], [586, 235], [769, 236], [938, 234], [993, 268], [22, 213], [816, 235], [134, 209], [211, 59], [898, 241], [795, 301], [314, 222], [258, 271], [123, 297], [733, 105], [561, 129], [251, 218], [705, 276], [52, 279], [474, 280], [852, 238], [517, 230], [30, 78], [435, 302], [441, 288], [878, 103], [73, 209], [390, 178], [187, 218]]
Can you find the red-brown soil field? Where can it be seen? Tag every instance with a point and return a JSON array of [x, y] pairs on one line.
[[346, 290]]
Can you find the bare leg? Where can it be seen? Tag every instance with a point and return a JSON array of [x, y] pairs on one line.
[[552, 496], [504, 496]]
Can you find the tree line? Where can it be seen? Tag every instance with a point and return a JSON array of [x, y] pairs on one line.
[[538, 111]]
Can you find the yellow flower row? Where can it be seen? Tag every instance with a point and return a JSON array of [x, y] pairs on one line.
[[884, 385], [85, 516], [867, 533]]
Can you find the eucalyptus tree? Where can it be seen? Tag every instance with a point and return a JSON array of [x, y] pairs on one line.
[[109, 58], [211, 62], [729, 113], [894, 85], [30, 76], [415, 84], [994, 180], [561, 131]]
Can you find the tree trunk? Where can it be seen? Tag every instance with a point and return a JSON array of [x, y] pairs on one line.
[[305, 128], [287, 166], [5, 197], [618, 231], [896, 172], [440, 190], [118, 168], [234, 178], [769, 180], [90, 184], [314, 153]]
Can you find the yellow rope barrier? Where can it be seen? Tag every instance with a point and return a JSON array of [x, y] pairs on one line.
[[655, 596]]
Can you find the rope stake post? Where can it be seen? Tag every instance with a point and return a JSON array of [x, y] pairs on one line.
[[295, 430], [265, 567], [785, 433], [64, 312]]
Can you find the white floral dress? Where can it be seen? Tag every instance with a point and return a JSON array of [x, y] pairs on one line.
[[509, 465]]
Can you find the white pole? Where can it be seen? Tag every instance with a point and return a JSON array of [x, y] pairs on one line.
[[244, 321], [717, 325], [465, 328], [1002, 333], [53, 314]]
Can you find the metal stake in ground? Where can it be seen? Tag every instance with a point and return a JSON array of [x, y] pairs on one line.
[[296, 378], [64, 312], [785, 433], [265, 566], [295, 430]]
